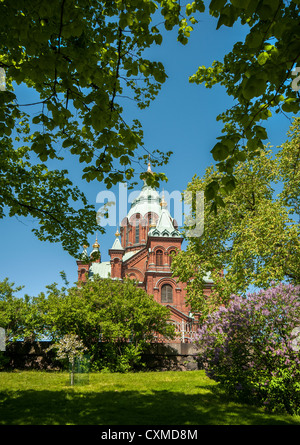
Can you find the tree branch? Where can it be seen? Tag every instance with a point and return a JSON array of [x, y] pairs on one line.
[[45, 212], [117, 70]]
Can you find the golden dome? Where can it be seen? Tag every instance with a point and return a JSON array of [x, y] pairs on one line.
[[96, 244]]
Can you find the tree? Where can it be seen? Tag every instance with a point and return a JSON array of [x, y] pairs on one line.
[[249, 347], [62, 211], [21, 317], [81, 59], [71, 348], [84, 58], [254, 238], [257, 73], [12, 313], [119, 315], [106, 309], [289, 168]]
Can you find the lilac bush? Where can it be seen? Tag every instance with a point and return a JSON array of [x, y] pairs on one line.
[[249, 347]]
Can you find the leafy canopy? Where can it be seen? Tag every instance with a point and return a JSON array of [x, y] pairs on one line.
[[254, 239], [105, 309], [257, 73], [82, 59]]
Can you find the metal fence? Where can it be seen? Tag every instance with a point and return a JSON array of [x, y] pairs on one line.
[[185, 332]]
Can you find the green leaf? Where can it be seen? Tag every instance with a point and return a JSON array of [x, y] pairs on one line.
[[211, 190], [227, 17], [262, 58], [254, 39], [243, 4], [254, 86], [67, 142], [220, 152], [291, 105], [229, 183], [241, 156], [261, 132], [217, 5], [219, 201]]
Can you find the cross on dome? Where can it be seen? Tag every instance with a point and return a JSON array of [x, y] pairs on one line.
[[96, 245], [163, 203], [149, 165]]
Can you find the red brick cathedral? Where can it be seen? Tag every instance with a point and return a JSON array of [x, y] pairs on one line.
[[142, 251]]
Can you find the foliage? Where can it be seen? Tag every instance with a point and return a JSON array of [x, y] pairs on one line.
[[289, 169], [102, 310], [257, 74], [81, 59], [12, 310], [254, 238], [247, 347], [118, 357], [84, 59], [62, 211], [71, 348]]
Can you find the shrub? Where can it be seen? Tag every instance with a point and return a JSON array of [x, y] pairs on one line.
[[118, 357], [248, 348], [71, 348]]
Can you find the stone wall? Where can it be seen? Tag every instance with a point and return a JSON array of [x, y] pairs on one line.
[[31, 355], [160, 357], [172, 356]]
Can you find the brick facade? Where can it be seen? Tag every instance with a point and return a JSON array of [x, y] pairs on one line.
[[142, 251]]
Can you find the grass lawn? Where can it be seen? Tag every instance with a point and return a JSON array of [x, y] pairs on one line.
[[157, 398]]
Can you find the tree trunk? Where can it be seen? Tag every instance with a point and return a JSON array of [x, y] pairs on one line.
[[72, 372]]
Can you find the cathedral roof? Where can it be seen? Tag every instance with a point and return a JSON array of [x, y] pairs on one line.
[[164, 226], [117, 244], [102, 269], [147, 201]]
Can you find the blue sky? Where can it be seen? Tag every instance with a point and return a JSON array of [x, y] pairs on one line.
[[182, 119]]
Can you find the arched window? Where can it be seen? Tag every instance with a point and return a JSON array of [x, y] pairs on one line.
[[137, 234], [171, 253], [159, 258], [167, 294], [133, 277]]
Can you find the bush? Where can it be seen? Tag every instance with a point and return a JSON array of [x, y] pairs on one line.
[[117, 357], [248, 348], [4, 360]]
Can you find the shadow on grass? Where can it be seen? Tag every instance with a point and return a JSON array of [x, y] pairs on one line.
[[67, 407]]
